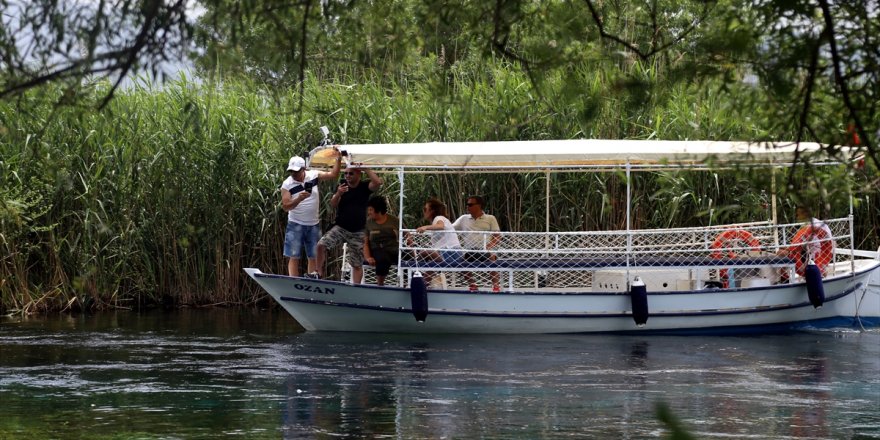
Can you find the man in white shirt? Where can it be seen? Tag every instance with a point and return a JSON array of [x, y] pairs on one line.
[[816, 237], [472, 224], [814, 245], [301, 199]]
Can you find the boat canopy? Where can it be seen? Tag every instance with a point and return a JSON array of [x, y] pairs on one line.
[[576, 153]]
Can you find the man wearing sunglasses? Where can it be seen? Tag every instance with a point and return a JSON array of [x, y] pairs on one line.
[[350, 201], [478, 239]]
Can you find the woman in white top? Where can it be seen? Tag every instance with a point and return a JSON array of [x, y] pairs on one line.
[[445, 240]]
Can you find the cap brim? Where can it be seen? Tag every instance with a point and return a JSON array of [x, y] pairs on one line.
[[294, 169]]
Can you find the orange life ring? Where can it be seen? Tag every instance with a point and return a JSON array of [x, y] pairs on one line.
[[730, 236], [724, 239], [802, 237]]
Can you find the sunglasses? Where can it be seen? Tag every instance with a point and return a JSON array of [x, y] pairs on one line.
[[471, 204]]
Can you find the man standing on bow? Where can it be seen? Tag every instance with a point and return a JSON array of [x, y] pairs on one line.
[[350, 201], [300, 198]]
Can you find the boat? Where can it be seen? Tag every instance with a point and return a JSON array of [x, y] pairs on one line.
[[741, 278]]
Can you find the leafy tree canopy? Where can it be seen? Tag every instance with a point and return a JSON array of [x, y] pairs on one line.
[[816, 62]]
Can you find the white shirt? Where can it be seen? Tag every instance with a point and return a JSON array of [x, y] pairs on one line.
[[467, 223], [814, 242], [306, 213], [447, 238]]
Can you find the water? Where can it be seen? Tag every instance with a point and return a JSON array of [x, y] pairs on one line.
[[253, 374]]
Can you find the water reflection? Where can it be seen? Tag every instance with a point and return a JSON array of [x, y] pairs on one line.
[[198, 374], [463, 386], [809, 419]]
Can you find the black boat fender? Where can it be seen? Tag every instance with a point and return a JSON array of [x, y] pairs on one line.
[[639, 296], [815, 290], [419, 293]]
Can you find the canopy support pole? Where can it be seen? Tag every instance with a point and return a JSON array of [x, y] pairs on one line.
[[539, 274], [400, 280], [628, 218], [774, 216], [547, 201], [852, 231]]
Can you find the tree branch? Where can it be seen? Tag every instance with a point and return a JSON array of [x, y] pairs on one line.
[[601, 26], [644, 56], [158, 22], [842, 84], [500, 35], [139, 43], [302, 56], [805, 108]]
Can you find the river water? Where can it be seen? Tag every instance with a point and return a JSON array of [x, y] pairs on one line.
[[252, 374]]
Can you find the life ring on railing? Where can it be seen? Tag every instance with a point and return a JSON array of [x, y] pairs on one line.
[[732, 235], [723, 240], [803, 237]]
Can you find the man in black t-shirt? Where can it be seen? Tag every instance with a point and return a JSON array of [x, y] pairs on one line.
[[350, 201]]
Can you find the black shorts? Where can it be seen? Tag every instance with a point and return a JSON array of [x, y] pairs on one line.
[[384, 261]]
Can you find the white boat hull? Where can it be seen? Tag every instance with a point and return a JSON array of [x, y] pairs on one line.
[[322, 305]]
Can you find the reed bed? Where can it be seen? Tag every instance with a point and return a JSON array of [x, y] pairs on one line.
[[165, 195]]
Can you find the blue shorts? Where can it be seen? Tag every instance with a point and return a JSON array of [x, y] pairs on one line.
[[451, 257], [297, 236]]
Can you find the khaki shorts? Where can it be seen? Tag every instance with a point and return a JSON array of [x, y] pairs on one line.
[[355, 240]]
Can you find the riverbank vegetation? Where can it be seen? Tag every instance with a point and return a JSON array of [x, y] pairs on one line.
[[165, 194], [159, 194]]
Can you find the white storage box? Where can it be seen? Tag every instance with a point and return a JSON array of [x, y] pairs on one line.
[[655, 280]]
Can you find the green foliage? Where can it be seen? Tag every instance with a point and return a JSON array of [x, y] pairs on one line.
[[810, 67], [813, 65], [164, 195], [65, 43]]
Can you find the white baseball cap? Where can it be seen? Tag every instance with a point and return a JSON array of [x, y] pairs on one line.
[[296, 163]]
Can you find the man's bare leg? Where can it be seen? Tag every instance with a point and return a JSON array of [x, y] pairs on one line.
[[319, 262], [293, 266], [495, 281]]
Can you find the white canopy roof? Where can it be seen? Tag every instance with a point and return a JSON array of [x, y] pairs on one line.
[[567, 153]]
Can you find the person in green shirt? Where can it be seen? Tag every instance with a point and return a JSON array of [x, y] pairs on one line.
[[381, 240]]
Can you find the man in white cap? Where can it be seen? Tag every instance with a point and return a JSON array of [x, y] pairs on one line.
[[301, 199]]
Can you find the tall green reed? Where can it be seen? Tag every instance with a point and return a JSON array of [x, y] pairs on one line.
[[163, 196]]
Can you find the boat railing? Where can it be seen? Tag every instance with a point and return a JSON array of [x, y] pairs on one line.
[[723, 256]]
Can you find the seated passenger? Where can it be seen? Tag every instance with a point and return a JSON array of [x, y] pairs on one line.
[[444, 240], [381, 239], [815, 238], [476, 220]]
